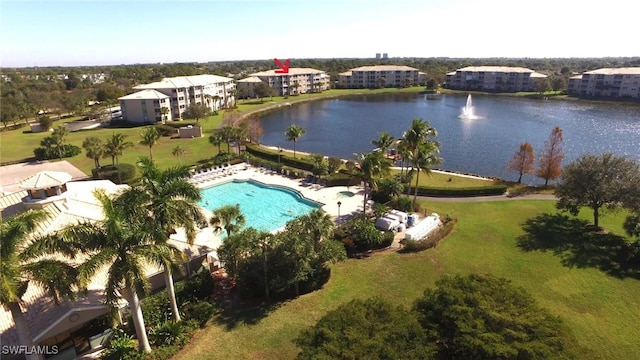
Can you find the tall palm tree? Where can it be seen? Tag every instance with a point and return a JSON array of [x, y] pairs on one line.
[[423, 158], [384, 141], [318, 225], [298, 248], [229, 217], [239, 135], [23, 261], [371, 167], [178, 152], [171, 202], [115, 147], [59, 136], [293, 133], [150, 137], [94, 149], [122, 244], [216, 140], [227, 134]]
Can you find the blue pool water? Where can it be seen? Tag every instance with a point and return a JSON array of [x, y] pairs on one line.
[[265, 207]]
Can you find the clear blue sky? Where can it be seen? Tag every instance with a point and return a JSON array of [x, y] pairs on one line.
[[57, 33]]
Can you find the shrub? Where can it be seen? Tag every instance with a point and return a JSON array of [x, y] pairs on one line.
[[457, 192], [223, 158], [166, 130], [48, 153], [404, 204], [122, 347], [170, 333], [200, 311], [284, 159], [127, 172], [432, 240]]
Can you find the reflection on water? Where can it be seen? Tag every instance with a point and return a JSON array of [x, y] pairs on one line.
[[345, 126]]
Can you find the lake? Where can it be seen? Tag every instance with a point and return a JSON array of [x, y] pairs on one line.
[[344, 126]]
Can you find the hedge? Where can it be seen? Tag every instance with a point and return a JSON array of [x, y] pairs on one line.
[[461, 192], [284, 159], [44, 153], [110, 172]]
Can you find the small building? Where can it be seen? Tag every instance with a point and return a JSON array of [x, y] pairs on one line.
[[44, 187], [296, 81], [190, 132]]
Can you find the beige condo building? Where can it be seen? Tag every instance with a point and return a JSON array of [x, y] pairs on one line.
[[176, 94], [381, 76], [493, 78], [607, 82], [296, 81]]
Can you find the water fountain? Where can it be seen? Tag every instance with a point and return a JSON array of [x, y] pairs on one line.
[[467, 111]]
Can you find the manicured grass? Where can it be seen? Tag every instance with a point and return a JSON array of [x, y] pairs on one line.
[[440, 180], [600, 311], [17, 145]]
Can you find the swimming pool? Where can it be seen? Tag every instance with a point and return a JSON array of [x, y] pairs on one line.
[[265, 207]]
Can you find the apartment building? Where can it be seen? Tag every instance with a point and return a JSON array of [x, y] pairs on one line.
[[493, 78], [607, 82], [214, 91], [381, 76], [296, 81]]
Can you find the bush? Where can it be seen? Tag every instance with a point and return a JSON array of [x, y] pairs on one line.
[[122, 347], [458, 192], [166, 130], [284, 159], [110, 172], [223, 157], [170, 333], [432, 240], [200, 312], [48, 153], [403, 204]]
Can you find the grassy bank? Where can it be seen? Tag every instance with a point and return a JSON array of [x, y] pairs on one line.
[[600, 310]]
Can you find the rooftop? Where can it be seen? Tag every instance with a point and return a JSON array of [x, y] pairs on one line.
[[185, 82], [144, 94], [507, 69], [384, 68], [45, 180], [292, 71], [616, 71], [250, 79]]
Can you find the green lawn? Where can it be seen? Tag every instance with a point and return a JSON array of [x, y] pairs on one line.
[[435, 179], [16, 145], [600, 311]]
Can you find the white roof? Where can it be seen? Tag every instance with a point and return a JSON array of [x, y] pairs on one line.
[[250, 79], [616, 71], [44, 180], [185, 82], [292, 71], [144, 95], [506, 69], [384, 68]]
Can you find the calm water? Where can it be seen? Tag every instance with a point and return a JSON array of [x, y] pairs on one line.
[[265, 207], [342, 127]]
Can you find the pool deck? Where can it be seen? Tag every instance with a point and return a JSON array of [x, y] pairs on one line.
[[329, 196]]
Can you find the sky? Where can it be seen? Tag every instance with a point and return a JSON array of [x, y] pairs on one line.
[[110, 32]]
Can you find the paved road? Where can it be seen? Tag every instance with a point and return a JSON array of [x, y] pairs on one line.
[[488, 198]]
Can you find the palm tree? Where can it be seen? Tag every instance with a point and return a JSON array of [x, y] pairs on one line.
[[423, 158], [177, 152], [23, 261], [239, 135], [171, 202], [150, 137], [227, 134], [115, 147], [264, 241], [122, 244], [384, 141], [318, 225], [371, 167], [236, 248], [94, 149], [299, 249], [216, 140], [164, 111], [293, 133], [59, 136], [229, 217]]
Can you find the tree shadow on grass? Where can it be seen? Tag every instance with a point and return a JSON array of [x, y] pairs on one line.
[[577, 246], [245, 313]]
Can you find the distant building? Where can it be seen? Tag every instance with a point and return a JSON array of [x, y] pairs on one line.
[[607, 82], [381, 76], [176, 93], [377, 56], [493, 78], [385, 56], [296, 81]]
